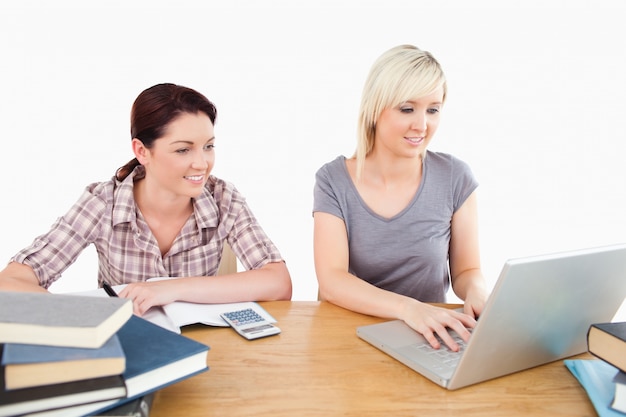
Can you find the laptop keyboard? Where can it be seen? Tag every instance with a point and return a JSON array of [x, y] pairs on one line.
[[442, 358]]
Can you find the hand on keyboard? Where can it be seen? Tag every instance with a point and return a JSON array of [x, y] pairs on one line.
[[432, 321]]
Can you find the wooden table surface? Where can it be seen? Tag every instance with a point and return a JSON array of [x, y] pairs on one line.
[[318, 366]]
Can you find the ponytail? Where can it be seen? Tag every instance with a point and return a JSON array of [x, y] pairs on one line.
[[125, 171]]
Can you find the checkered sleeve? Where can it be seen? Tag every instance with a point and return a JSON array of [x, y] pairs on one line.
[[246, 236], [52, 253]]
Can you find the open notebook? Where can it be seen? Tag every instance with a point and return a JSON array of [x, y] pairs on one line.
[[177, 314], [539, 311]]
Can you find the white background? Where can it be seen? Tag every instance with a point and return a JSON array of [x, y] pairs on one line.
[[536, 106]]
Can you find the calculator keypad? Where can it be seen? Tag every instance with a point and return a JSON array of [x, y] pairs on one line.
[[243, 317]]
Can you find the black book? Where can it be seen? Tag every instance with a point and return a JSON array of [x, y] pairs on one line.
[[607, 341], [54, 396]]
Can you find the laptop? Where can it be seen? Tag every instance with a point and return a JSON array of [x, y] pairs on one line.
[[538, 312]]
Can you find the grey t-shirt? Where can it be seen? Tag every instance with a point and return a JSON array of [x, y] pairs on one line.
[[408, 253]]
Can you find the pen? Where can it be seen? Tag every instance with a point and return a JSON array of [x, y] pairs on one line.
[[109, 290]]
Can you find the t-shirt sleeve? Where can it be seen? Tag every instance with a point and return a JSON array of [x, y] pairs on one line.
[[464, 182], [324, 193]]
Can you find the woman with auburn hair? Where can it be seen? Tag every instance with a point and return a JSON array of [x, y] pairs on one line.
[[162, 215], [396, 224]]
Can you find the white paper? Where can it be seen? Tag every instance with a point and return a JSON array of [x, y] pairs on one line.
[[180, 313]]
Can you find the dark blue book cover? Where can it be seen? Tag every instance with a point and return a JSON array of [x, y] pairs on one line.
[[156, 357]]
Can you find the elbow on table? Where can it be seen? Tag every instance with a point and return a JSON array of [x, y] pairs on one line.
[[284, 288], [324, 293]]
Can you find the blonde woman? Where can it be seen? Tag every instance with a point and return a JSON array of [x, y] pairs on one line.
[[396, 224]]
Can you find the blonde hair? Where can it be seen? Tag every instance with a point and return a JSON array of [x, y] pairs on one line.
[[401, 74]]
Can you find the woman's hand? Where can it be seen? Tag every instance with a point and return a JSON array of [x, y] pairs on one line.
[[429, 320], [149, 294], [475, 301]]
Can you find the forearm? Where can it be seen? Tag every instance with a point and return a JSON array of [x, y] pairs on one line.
[[352, 293], [471, 287], [469, 282], [271, 282], [19, 277], [357, 295]]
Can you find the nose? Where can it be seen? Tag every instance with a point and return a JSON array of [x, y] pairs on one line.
[[201, 160], [419, 122]]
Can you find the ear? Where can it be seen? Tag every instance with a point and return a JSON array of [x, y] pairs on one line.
[[141, 152]]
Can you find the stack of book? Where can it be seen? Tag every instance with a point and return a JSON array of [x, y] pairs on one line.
[[69, 355], [604, 379]]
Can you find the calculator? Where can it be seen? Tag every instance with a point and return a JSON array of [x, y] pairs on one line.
[[249, 324]]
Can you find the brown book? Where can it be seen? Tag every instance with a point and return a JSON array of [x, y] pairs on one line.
[[607, 341]]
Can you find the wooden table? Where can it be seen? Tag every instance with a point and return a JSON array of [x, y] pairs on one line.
[[318, 366]]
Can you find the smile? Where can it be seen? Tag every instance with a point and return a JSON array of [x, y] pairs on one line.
[[415, 141], [195, 177]]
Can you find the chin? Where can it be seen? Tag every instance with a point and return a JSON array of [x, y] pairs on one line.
[[193, 192], [194, 195]]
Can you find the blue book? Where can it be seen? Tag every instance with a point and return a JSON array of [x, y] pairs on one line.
[[27, 365], [596, 377], [155, 358]]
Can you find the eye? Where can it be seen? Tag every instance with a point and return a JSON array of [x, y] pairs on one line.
[[209, 146], [182, 151], [433, 110], [406, 109]]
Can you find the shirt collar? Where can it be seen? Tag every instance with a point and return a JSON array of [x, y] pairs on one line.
[[124, 208], [205, 208]]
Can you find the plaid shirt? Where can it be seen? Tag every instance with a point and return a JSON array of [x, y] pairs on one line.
[[106, 215]]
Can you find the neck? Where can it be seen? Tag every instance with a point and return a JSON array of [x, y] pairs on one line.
[[154, 200], [383, 169]]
